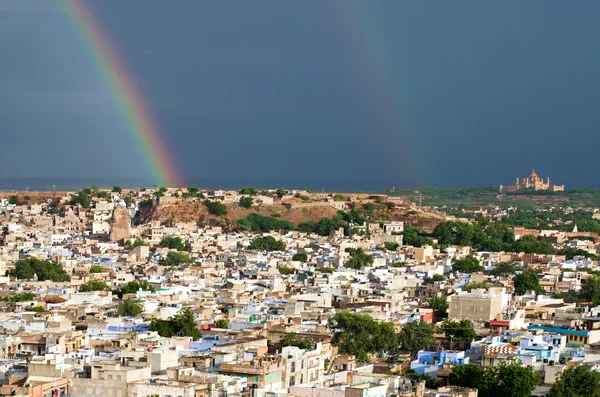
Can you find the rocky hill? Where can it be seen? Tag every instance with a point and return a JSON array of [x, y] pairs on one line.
[[196, 212]]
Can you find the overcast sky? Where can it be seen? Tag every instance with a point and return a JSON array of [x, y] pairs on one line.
[[411, 94]]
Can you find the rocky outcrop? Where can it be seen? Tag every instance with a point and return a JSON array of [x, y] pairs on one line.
[[120, 225]]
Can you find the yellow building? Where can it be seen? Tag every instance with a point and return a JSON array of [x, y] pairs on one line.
[[532, 181]]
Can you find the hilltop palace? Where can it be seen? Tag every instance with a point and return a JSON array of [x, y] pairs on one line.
[[532, 181]]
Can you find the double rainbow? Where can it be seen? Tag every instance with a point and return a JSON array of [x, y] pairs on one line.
[[144, 128]]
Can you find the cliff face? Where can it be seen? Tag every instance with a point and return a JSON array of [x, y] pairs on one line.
[[120, 226]]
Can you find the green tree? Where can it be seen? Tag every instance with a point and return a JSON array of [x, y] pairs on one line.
[[13, 200], [130, 308], [286, 271], [19, 297], [173, 242], [281, 192], [222, 323], [369, 207], [25, 269], [249, 190], [430, 382], [360, 335], [391, 245], [590, 289], [514, 380], [292, 339], [531, 245], [246, 202], [96, 269], [175, 259], [509, 379], [579, 381], [439, 303], [506, 268], [128, 200], [326, 226], [472, 376], [94, 285], [215, 208], [300, 256], [459, 332], [267, 243], [37, 309], [82, 198], [469, 264], [264, 224], [134, 286], [358, 258], [414, 238], [417, 335], [181, 324], [526, 281], [436, 278], [139, 242], [117, 189], [570, 253]]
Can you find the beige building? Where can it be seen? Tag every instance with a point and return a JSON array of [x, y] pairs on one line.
[[108, 380], [476, 306], [532, 181]]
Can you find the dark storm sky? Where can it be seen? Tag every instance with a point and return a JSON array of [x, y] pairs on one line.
[[411, 94]]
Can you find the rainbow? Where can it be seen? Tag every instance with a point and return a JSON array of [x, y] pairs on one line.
[[126, 95], [381, 76]]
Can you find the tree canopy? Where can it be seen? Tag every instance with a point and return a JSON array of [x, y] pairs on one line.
[[175, 258], [358, 258], [94, 285], [506, 268], [436, 278], [25, 269], [249, 190], [130, 308], [246, 202], [134, 286], [292, 339], [413, 237], [263, 224], [173, 242], [578, 381], [469, 264], [300, 256], [417, 335], [460, 332], [439, 303], [527, 281], [488, 237], [96, 269], [267, 243], [215, 208], [222, 323], [590, 289], [181, 324], [360, 335], [509, 378]]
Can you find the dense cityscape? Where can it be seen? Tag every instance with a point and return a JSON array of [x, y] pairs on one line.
[[299, 199], [185, 292]]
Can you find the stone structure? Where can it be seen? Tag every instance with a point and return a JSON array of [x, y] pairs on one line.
[[120, 225], [532, 181]]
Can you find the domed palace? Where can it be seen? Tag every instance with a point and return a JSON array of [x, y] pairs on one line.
[[532, 181]]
